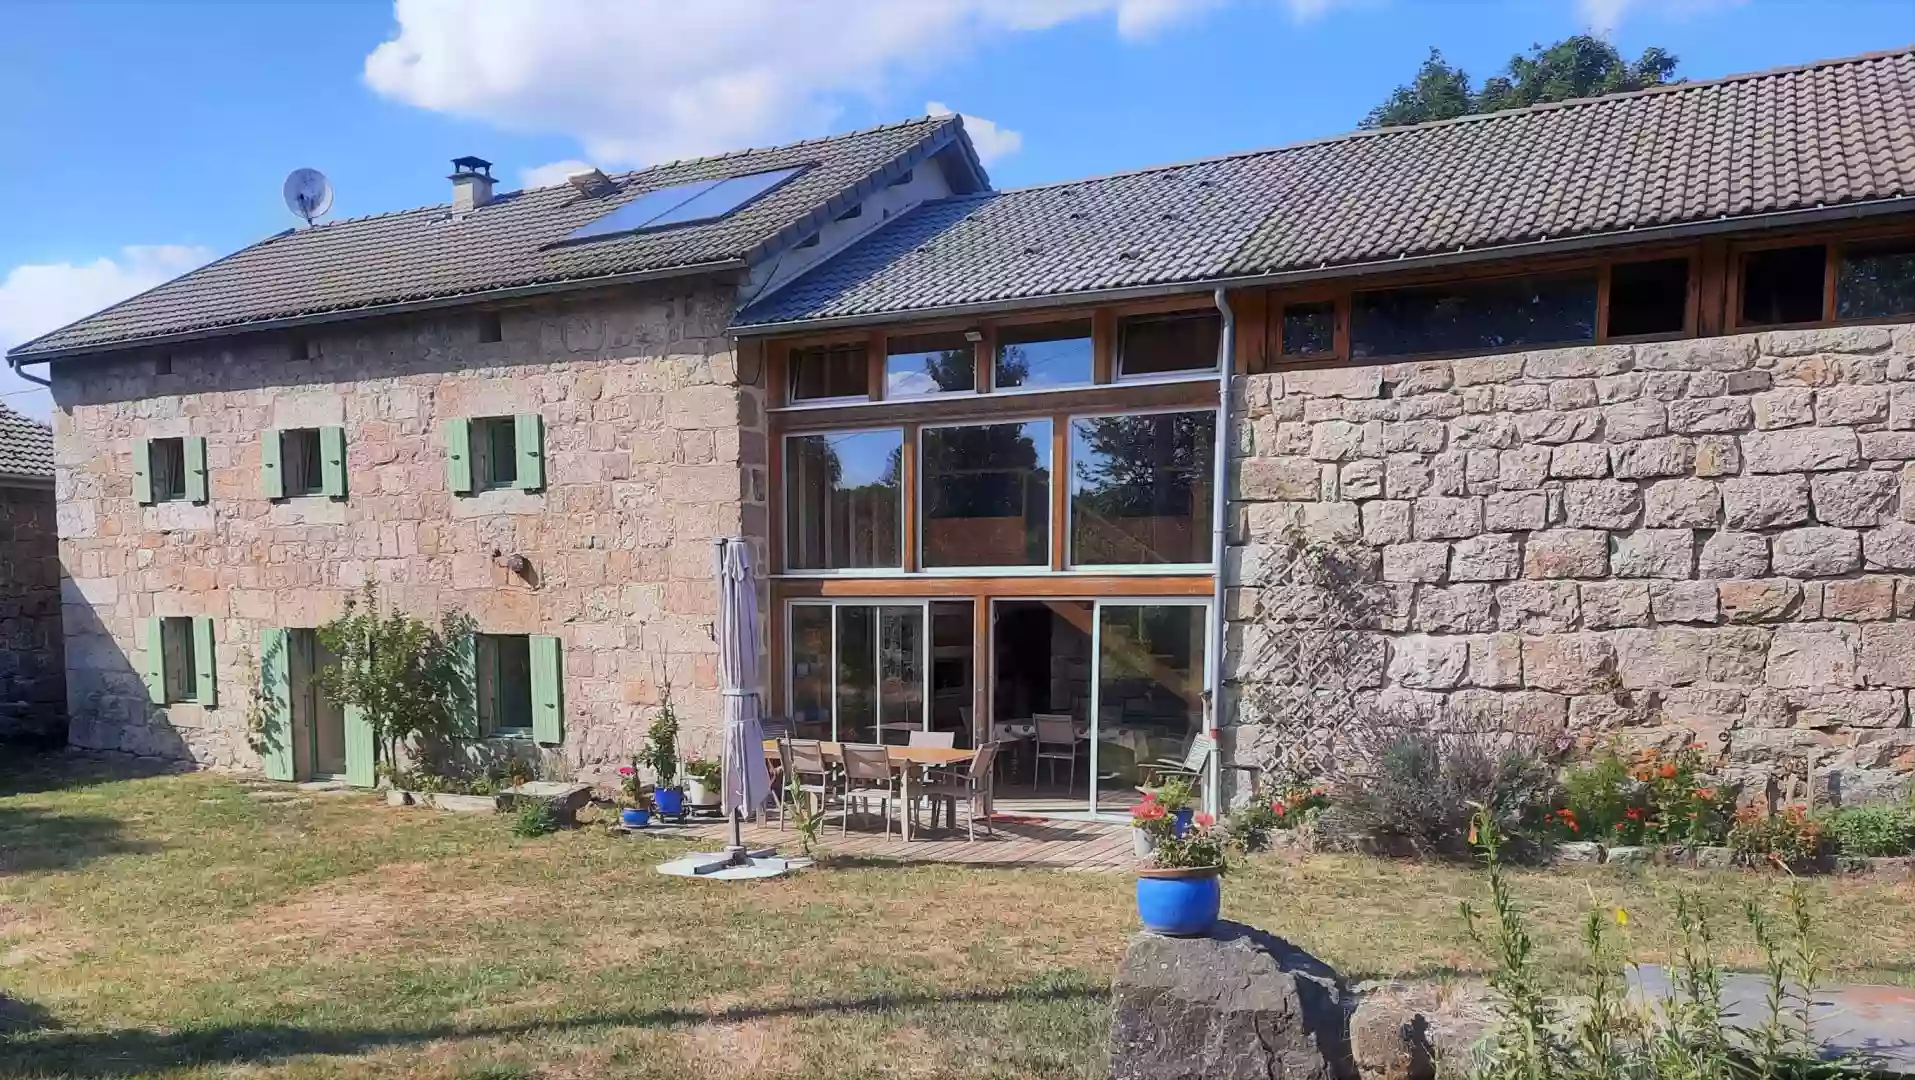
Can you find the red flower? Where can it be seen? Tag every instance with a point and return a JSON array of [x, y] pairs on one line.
[[1668, 772], [1150, 796], [626, 770], [1705, 793], [1634, 813], [1277, 808], [1148, 810], [1204, 821]]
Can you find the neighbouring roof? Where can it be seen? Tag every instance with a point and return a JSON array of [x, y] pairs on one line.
[[1836, 133], [514, 241], [26, 446]]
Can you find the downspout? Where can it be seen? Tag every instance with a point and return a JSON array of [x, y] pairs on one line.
[[14, 363], [1219, 527]]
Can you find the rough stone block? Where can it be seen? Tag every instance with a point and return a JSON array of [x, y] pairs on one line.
[[1361, 480], [1515, 511], [1759, 601], [1665, 386], [1279, 479], [1439, 518], [1582, 362], [1496, 661], [1819, 656], [1609, 605], [1718, 455], [1851, 405], [1415, 562], [1890, 547], [1839, 339], [1816, 551], [1579, 461], [1569, 394], [1655, 553], [1601, 504], [1479, 370], [1683, 601], [1536, 607], [1632, 420], [1337, 382], [1414, 437], [1569, 663], [1888, 445], [1523, 468], [1535, 712], [1549, 427], [1806, 450], [1457, 609], [1612, 389], [1765, 502], [1406, 476], [1863, 599], [1855, 499], [1785, 408], [1711, 415], [1340, 440], [1428, 663], [1566, 553], [1684, 504], [1888, 654], [1678, 656], [1697, 354], [1385, 522], [1490, 557], [1672, 455]]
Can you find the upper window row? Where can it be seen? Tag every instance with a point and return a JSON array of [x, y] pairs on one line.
[[1141, 493], [1028, 356]]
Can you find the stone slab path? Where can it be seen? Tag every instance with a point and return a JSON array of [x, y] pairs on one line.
[[1874, 1022]]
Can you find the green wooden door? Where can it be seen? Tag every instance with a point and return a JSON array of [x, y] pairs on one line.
[[362, 752], [275, 681], [548, 690]]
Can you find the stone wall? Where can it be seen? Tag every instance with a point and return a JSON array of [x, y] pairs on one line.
[[32, 671], [653, 449], [1706, 538]]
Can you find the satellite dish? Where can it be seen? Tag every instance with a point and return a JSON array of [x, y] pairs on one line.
[[308, 193]]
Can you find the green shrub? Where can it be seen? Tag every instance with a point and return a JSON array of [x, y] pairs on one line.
[[1791, 838], [535, 818], [1422, 788], [1598, 795], [1869, 832]]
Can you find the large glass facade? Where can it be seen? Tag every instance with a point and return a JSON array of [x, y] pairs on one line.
[[1142, 488], [842, 500], [857, 671], [985, 495]]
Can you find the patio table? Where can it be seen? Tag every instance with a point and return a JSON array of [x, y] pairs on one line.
[[906, 759]]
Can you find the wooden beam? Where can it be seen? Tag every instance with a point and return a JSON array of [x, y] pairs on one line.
[[908, 495], [1602, 303], [1011, 586], [1103, 336], [874, 364], [1060, 486], [985, 352], [981, 683], [1198, 392]]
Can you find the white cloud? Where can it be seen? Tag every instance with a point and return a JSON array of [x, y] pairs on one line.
[[639, 81], [992, 142], [551, 173], [38, 297], [1605, 17]]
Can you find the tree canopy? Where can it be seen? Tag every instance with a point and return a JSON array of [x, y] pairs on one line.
[[1579, 66]]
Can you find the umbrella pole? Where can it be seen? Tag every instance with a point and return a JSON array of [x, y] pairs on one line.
[[735, 852]]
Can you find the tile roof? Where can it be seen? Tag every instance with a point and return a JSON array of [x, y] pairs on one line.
[[513, 241], [26, 446], [1838, 132]]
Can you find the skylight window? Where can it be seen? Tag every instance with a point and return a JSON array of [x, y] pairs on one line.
[[684, 204]]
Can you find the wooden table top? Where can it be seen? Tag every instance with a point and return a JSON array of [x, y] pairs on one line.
[[917, 755]]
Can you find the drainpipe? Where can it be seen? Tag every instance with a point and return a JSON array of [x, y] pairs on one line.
[[1219, 527], [14, 363]]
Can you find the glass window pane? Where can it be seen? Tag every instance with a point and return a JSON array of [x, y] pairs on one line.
[[830, 371], [1648, 297], [1876, 281], [1783, 285], [1150, 681], [986, 497], [1186, 342], [900, 672], [1309, 329], [299, 455], [1044, 355], [1141, 488], [168, 465], [811, 670], [1463, 317], [857, 674], [513, 682], [929, 364], [841, 500]]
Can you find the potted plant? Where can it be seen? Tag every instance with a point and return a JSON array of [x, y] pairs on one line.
[[703, 780], [1178, 799], [1148, 821], [635, 803], [661, 753], [1180, 893]]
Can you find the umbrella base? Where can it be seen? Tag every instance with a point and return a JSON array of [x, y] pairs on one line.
[[720, 865]]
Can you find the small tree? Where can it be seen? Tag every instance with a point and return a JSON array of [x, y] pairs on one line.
[[411, 681]]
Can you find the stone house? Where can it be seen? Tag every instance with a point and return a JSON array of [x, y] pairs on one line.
[[32, 672], [1604, 405]]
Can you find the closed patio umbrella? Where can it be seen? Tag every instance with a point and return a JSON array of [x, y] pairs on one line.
[[747, 783]]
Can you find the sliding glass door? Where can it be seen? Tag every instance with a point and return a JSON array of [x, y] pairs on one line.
[[1148, 693], [857, 670]]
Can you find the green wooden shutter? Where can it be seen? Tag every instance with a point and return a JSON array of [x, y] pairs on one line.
[[272, 478], [466, 705], [205, 692], [362, 750], [529, 430], [155, 662], [276, 686], [548, 690], [332, 461], [459, 456], [196, 489], [143, 471]]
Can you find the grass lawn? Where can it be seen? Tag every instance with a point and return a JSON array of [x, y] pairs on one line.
[[177, 925]]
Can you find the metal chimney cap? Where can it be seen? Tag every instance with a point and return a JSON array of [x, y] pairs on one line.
[[467, 166]]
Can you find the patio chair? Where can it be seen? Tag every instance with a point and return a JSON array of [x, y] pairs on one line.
[[1190, 766], [972, 787], [804, 759], [942, 740], [1056, 741], [867, 775]]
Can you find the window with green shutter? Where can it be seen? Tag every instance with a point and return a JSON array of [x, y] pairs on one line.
[[504, 684], [180, 660], [491, 452], [296, 462], [161, 470]]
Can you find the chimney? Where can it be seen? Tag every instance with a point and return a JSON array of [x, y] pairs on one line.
[[471, 183]]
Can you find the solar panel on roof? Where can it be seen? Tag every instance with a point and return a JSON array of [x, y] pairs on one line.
[[684, 204]]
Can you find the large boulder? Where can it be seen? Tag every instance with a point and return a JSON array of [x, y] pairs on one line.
[[1239, 1003]]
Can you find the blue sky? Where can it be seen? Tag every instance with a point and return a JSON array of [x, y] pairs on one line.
[[144, 138]]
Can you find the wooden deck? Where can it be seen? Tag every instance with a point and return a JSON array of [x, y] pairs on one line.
[[1019, 843]]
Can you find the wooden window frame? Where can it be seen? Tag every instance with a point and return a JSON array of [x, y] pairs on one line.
[[1836, 243]]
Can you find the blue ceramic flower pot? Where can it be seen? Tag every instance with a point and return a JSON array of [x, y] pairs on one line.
[[634, 819], [670, 801], [1180, 820], [1179, 902]]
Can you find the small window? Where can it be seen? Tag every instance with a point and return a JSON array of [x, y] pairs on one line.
[[1044, 356], [842, 496], [176, 659], [929, 364], [491, 327], [1783, 285], [305, 348], [167, 460], [1474, 316], [1876, 281], [823, 372], [1648, 297], [1309, 329], [1164, 343], [299, 455], [163, 364], [505, 684], [495, 451]]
